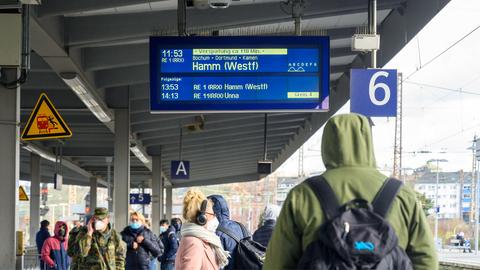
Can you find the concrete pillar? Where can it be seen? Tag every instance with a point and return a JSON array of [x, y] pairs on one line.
[[121, 168], [157, 193], [9, 168], [168, 202], [34, 196], [93, 194]]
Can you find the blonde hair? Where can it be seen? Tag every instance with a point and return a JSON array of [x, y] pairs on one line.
[[139, 216], [191, 204]]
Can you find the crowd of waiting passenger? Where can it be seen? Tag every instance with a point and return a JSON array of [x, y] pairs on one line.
[[350, 217], [96, 245]]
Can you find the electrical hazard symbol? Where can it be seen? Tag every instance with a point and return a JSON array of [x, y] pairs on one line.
[[45, 122]]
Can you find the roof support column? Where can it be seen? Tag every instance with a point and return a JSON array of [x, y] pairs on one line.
[[121, 183], [93, 194], [157, 193], [168, 203], [34, 196], [9, 167]]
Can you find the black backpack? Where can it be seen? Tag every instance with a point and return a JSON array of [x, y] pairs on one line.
[[355, 235], [248, 253]]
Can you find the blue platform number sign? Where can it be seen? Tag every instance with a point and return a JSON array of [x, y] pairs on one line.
[[373, 92], [180, 169], [140, 198]]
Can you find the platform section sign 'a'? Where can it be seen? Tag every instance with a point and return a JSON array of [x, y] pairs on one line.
[[45, 122]]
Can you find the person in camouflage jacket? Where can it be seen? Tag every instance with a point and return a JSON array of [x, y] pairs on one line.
[[101, 246], [73, 249]]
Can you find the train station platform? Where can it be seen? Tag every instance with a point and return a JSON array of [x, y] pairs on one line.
[[88, 63], [456, 259]]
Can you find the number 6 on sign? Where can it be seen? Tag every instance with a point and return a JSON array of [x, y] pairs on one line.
[[373, 92], [373, 87]]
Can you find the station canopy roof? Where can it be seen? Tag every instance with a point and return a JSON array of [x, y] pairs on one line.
[[106, 43]]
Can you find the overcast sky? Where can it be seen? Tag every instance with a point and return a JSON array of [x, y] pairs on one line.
[[441, 98]]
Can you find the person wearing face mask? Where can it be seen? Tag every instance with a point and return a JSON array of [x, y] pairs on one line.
[[177, 224], [170, 241], [163, 226], [54, 250], [101, 246], [200, 248], [142, 244], [221, 210]]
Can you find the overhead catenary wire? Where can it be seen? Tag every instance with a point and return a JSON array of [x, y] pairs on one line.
[[460, 90], [442, 52]]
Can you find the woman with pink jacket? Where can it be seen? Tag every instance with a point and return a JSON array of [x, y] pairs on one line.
[[200, 248]]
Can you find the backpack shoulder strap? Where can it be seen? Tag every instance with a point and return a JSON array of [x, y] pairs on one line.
[[245, 232], [228, 232], [325, 195], [385, 196]]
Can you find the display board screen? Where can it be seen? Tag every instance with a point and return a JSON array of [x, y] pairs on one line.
[[239, 74]]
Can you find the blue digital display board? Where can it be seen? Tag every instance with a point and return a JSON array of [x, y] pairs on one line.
[[239, 74]]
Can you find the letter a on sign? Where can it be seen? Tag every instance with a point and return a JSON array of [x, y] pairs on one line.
[[45, 122], [180, 169]]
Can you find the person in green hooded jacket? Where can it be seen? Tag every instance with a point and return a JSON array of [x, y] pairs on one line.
[[347, 152]]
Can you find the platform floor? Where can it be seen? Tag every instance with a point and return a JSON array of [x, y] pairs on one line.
[[458, 258]]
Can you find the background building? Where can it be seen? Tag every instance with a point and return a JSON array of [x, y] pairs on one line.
[[454, 192]]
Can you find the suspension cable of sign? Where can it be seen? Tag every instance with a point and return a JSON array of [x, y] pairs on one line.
[[60, 168], [297, 11], [265, 138], [372, 25], [180, 144]]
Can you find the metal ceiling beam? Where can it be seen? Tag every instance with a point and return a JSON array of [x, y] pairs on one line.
[[238, 169], [83, 151], [218, 123], [62, 7], [207, 155], [235, 128], [172, 119], [247, 166], [172, 151], [156, 150], [84, 30], [223, 171], [244, 136], [107, 57], [215, 181], [48, 155], [244, 158], [44, 81], [141, 74], [138, 54]]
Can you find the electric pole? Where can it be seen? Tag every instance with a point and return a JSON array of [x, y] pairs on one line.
[[397, 153]]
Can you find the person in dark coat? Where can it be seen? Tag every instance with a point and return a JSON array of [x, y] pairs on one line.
[[42, 235], [263, 234], [220, 208], [142, 244], [170, 241], [177, 224]]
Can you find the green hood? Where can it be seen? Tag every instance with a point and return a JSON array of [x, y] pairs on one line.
[[347, 142]]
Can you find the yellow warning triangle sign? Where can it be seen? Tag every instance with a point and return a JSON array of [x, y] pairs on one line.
[[22, 194], [45, 122]]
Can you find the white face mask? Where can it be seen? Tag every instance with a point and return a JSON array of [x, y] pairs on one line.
[[212, 225], [100, 225]]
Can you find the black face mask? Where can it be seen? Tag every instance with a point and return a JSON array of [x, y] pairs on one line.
[[62, 232]]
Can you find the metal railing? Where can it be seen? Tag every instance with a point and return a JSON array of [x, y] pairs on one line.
[[31, 259]]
